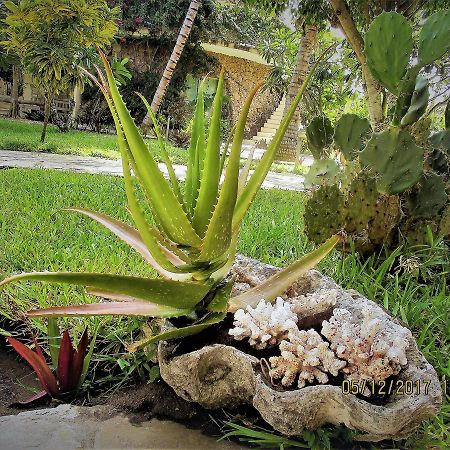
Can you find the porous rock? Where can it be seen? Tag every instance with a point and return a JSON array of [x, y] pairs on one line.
[[219, 376]]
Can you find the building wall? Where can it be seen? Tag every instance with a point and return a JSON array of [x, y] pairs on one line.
[[241, 76]]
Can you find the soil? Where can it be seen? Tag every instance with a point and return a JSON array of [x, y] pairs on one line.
[[17, 381]]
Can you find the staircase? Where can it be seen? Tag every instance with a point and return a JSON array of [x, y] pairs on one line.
[[266, 133]]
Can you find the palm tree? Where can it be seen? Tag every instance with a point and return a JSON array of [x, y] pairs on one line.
[[173, 60], [288, 148]]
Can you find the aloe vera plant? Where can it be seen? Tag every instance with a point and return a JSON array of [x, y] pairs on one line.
[[193, 242], [71, 365]]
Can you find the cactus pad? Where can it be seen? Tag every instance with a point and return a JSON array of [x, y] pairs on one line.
[[387, 45], [319, 134], [429, 196], [444, 225], [419, 102], [438, 161], [349, 134], [386, 218], [322, 172], [441, 140], [396, 160], [434, 39], [361, 203], [324, 213], [416, 230]]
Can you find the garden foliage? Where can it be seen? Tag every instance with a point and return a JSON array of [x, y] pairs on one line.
[[394, 180], [193, 242]]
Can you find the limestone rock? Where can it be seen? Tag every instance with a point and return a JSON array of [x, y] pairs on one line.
[[222, 376]]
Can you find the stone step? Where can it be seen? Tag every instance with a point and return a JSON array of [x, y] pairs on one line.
[[274, 122], [262, 134], [269, 129]]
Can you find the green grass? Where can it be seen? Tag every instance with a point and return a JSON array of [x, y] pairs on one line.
[[25, 136], [35, 235]]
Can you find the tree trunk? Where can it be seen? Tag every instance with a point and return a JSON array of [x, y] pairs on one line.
[[14, 112], [47, 105], [77, 92], [288, 148], [173, 60], [371, 86]]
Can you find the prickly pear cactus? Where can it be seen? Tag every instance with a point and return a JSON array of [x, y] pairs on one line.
[[438, 161], [434, 39], [387, 45], [441, 139], [324, 213], [444, 225], [360, 203], [385, 220], [419, 102], [395, 159], [420, 131], [428, 197], [319, 135], [416, 230], [322, 172], [349, 134]]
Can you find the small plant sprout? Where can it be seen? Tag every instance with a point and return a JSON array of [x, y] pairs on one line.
[[192, 240]]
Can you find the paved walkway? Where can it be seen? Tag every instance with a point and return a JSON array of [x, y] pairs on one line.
[[10, 158]]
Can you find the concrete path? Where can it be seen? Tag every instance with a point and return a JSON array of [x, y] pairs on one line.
[[70, 427], [87, 164]]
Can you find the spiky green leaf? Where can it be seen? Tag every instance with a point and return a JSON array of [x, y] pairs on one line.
[[177, 333], [210, 176], [176, 294], [165, 203], [277, 284]]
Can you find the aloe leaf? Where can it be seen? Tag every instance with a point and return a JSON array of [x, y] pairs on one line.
[[177, 294], [164, 265], [162, 146], [177, 332], [133, 308], [122, 230], [54, 340], [196, 152], [220, 301], [277, 284], [165, 202], [210, 176], [225, 149], [218, 234], [248, 193], [43, 372]]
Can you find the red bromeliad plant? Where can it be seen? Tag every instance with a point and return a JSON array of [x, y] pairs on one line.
[[192, 244], [71, 365]]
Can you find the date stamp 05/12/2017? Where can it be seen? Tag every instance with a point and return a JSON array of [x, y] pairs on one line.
[[395, 387]]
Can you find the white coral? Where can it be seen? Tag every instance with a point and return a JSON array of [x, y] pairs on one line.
[[266, 325], [372, 350], [307, 355]]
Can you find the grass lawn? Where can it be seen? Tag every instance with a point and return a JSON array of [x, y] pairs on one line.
[[25, 136], [34, 235]]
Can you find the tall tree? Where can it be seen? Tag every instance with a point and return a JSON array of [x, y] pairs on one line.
[[51, 38], [173, 60], [373, 90], [288, 148]]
